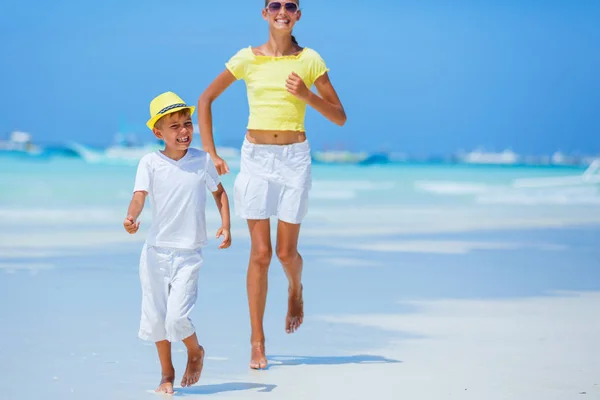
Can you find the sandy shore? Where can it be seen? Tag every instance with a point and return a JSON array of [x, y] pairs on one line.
[[482, 315]]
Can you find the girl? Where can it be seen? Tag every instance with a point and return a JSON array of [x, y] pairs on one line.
[[275, 169]]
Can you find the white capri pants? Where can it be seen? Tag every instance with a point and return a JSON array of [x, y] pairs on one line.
[[274, 180], [169, 279]]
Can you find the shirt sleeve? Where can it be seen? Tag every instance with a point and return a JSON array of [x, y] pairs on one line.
[[212, 176], [317, 66], [143, 177], [238, 64]]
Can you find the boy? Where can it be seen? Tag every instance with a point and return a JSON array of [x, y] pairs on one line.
[[176, 179]]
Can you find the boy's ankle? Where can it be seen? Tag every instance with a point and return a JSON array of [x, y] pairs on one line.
[[168, 373]]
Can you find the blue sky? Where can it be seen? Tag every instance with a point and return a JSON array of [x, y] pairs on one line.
[[422, 77]]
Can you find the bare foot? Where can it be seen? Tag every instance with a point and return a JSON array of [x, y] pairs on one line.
[[258, 360], [194, 367], [295, 314], [166, 383]]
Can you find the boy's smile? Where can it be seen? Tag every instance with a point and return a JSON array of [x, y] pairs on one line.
[[176, 130]]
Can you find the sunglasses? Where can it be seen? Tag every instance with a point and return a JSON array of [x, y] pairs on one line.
[[275, 7]]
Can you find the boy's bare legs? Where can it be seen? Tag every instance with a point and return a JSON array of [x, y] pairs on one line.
[[257, 286], [166, 366], [287, 252], [193, 369], [195, 361]]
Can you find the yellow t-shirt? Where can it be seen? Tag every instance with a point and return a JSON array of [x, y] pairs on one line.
[[272, 107]]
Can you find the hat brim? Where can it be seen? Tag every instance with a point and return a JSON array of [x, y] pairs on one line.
[[152, 121]]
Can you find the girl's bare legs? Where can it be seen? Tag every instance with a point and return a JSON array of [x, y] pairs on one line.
[[287, 252], [257, 286], [257, 280]]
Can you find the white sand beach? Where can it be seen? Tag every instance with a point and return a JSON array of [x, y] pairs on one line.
[[415, 298]]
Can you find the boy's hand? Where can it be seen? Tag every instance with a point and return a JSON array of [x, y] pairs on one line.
[[130, 225], [226, 237]]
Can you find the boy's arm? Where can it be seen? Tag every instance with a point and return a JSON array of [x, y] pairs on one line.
[[133, 212], [137, 204], [143, 179], [222, 202]]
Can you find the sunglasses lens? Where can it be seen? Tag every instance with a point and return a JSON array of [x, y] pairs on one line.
[[291, 7], [274, 7]]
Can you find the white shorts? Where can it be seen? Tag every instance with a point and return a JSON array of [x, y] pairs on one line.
[[274, 180], [169, 279]]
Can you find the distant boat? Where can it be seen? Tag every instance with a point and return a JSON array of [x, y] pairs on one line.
[[506, 157], [20, 143], [376, 158], [122, 152], [591, 176], [339, 157], [126, 151]]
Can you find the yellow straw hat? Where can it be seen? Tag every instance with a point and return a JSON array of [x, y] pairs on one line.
[[166, 103]]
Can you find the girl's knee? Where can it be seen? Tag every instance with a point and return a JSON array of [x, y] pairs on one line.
[[261, 256], [287, 256]]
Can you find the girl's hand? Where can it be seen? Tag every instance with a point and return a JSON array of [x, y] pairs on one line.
[[296, 86], [220, 164]]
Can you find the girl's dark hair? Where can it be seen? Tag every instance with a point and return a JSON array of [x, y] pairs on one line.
[[297, 2]]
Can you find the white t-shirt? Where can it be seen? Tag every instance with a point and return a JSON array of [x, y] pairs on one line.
[[177, 192]]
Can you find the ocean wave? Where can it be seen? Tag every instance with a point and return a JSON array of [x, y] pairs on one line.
[[326, 184], [453, 187], [324, 189], [333, 194], [532, 199], [65, 216], [445, 246], [510, 195], [12, 267]]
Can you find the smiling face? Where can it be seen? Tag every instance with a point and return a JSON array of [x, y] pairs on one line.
[[282, 15], [175, 130]]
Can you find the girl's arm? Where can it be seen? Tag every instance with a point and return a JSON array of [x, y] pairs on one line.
[[214, 90], [328, 104]]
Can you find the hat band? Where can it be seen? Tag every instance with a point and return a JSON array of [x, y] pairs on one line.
[[172, 106]]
